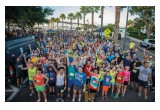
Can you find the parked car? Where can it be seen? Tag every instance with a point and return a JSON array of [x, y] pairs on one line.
[[148, 43]]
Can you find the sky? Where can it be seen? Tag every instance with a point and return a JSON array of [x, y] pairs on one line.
[[109, 14]]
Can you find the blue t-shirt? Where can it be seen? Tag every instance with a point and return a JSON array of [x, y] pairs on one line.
[[51, 76], [126, 62], [110, 57], [107, 80], [80, 79]]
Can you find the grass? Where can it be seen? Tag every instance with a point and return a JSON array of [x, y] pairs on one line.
[[141, 37]]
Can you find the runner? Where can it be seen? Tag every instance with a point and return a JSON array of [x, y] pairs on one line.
[[106, 84], [144, 78], [39, 84], [61, 82], [79, 83], [126, 79]]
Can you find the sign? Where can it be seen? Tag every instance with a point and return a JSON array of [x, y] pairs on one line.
[[107, 33]]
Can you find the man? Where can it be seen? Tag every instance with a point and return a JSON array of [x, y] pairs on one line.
[[39, 84], [144, 78], [61, 82], [131, 45], [19, 74], [79, 83]]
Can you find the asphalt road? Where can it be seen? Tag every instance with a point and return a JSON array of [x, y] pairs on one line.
[[140, 51], [131, 96]]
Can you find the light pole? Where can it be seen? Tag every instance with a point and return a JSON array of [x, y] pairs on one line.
[[102, 11], [126, 28], [88, 24]]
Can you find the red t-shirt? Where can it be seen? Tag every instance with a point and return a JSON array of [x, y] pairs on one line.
[[86, 70], [119, 78], [39, 80]]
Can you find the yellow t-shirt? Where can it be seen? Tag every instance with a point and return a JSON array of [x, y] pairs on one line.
[[131, 45], [113, 75]]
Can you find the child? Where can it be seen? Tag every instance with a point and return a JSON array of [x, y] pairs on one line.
[[113, 75], [126, 78], [119, 81], [106, 84]]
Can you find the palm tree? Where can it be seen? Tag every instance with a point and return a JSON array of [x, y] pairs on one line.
[[117, 20], [52, 20], [57, 21], [92, 10], [71, 17], [62, 16], [84, 10], [78, 16]]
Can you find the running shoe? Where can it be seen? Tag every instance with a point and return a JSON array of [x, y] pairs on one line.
[[57, 100], [146, 98], [73, 100], [111, 94], [68, 95], [139, 94], [31, 94], [116, 96]]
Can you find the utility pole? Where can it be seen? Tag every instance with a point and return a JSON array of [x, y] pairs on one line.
[[102, 9], [126, 28]]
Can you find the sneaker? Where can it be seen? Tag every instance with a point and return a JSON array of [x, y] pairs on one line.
[[50, 93], [123, 95], [57, 100], [62, 100], [31, 94], [68, 95], [139, 94], [145, 98], [79, 100], [73, 100], [106, 97], [116, 96], [111, 94]]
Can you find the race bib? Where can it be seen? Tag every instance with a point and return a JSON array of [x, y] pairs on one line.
[[71, 74], [119, 78]]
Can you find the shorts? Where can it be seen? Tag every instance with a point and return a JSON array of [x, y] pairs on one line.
[[134, 77], [143, 83], [113, 83], [105, 88], [51, 83], [88, 80], [40, 88], [70, 83], [60, 88], [78, 88], [19, 75], [93, 91], [101, 83], [30, 82], [125, 82]]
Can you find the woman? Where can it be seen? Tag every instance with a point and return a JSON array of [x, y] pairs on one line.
[[38, 81]]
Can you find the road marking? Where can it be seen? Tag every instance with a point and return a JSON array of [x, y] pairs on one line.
[[15, 90], [145, 50]]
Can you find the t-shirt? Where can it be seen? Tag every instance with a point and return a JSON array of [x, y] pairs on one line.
[[86, 70], [51, 75], [71, 72], [107, 80], [18, 68], [131, 45], [80, 79], [119, 78], [144, 73], [94, 81], [110, 57], [126, 75], [127, 62], [113, 75], [101, 76]]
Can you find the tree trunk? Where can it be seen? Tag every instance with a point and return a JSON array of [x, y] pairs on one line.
[[78, 24], [71, 25], [62, 25], [117, 20], [92, 20], [84, 20], [57, 25], [148, 31]]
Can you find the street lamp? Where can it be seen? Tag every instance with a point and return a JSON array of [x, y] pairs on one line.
[[126, 28], [101, 16]]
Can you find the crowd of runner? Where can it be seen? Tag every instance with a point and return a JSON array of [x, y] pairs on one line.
[[84, 64]]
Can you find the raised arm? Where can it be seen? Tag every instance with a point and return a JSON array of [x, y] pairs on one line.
[[24, 56], [55, 69], [30, 49]]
